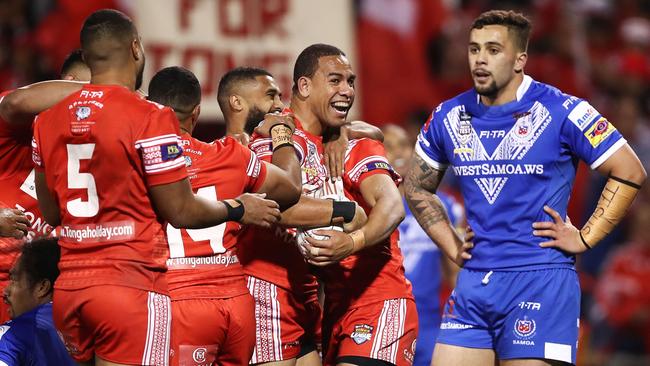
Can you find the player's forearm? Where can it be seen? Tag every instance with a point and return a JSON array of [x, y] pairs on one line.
[[288, 188], [23, 104], [360, 129], [309, 212], [46, 201], [384, 218], [430, 213]]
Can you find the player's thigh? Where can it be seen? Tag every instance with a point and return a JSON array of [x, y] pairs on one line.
[[310, 359], [449, 355], [240, 338], [532, 362]]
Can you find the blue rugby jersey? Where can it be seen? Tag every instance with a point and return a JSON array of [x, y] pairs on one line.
[[513, 159], [32, 340]]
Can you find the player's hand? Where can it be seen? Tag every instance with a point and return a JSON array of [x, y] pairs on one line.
[[272, 119], [334, 154], [13, 223], [465, 248], [258, 210], [358, 221], [565, 236], [325, 252], [242, 138]]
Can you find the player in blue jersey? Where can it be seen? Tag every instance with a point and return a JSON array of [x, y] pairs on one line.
[[514, 144], [425, 267], [30, 339]]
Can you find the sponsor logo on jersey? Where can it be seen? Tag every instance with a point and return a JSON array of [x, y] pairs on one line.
[[188, 161], [197, 355], [492, 134], [362, 333], [464, 127], [170, 151], [453, 325], [582, 115], [409, 354], [91, 94], [599, 131], [525, 328], [530, 305]]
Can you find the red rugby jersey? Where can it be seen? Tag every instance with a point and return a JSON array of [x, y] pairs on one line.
[[101, 149], [203, 262]]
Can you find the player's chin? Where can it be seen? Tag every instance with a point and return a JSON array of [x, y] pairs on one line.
[[336, 118]]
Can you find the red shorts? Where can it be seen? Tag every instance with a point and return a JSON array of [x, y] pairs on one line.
[[118, 324], [283, 323], [213, 331], [384, 330]]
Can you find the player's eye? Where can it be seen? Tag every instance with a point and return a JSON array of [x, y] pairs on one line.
[[493, 51], [335, 81], [473, 50]]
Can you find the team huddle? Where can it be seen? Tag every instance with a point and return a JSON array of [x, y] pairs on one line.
[[260, 248]]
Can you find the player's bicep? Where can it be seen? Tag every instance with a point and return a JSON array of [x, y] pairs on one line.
[[46, 200], [624, 164], [380, 187], [278, 186], [422, 175]]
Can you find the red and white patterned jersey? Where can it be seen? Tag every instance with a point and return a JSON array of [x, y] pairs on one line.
[[18, 190], [203, 262], [272, 254], [101, 149], [375, 273]]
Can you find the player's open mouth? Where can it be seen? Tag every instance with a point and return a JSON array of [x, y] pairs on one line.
[[341, 108], [481, 76]]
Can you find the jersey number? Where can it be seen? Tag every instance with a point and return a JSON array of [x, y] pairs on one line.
[[214, 234], [77, 180]]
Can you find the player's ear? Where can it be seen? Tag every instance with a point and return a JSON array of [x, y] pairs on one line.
[[520, 61], [42, 289], [304, 86], [136, 49], [195, 114], [236, 102]]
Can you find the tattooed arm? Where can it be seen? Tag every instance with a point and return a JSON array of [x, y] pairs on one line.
[[420, 186]]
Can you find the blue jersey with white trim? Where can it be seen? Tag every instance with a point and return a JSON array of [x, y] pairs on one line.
[[32, 340], [513, 159]]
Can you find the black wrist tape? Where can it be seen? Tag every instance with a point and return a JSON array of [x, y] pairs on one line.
[[344, 209], [234, 213]]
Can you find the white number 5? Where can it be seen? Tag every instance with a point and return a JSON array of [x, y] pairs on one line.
[[78, 180]]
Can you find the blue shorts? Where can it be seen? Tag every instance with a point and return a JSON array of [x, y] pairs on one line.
[[519, 314]]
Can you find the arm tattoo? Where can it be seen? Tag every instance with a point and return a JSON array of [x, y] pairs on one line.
[[421, 183]]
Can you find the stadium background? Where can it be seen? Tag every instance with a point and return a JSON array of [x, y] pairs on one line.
[[409, 55]]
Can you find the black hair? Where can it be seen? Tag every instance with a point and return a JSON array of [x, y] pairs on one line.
[[39, 260], [73, 59], [307, 62], [235, 77], [176, 87], [517, 23], [105, 24]]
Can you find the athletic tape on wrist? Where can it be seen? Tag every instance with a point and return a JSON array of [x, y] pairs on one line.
[[344, 209], [281, 136], [234, 213], [358, 240], [616, 198]]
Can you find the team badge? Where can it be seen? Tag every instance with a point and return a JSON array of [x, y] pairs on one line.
[[599, 131], [464, 127], [523, 128], [82, 113], [188, 161], [525, 328], [362, 333]]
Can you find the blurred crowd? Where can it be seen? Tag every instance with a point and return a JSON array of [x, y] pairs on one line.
[[411, 56]]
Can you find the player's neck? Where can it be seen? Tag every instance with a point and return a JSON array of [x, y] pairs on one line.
[[307, 118], [506, 94], [111, 77]]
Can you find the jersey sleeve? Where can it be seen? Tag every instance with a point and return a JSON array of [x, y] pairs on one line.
[[255, 169], [365, 159], [10, 347], [589, 135], [430, 143], [36, 151], [262, 146], [159, 147]]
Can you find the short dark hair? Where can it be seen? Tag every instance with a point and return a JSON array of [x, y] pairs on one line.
[[176, 87], [104, 24], [39, 260], [517, 23], [233, 78], [73, 59], [307, 62]]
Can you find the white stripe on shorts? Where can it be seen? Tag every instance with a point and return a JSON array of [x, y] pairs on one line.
[[390, 328], [156, 347], [268, 340]]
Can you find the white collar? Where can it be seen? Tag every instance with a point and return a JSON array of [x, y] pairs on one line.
[[521, 90]]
